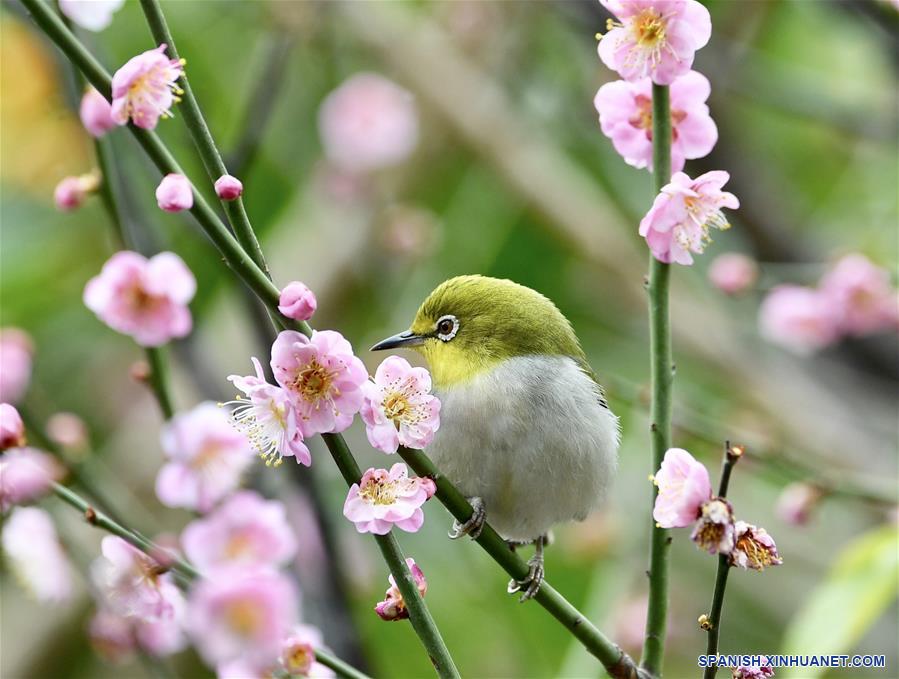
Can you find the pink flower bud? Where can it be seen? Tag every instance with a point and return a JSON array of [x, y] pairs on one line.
[[12, 429], [393, 607], [796, 503], [96, 113], [68, 431], [733, 273], [174, 193], [16, 349], [228, 187], [71, 191], [297, 301]]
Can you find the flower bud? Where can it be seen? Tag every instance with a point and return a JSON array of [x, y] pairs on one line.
[[68, 431], [393, 607], [71, 191], [96, 113], [12, 429], [297, 301], [733, 273], [796, 503], [174, 193], [228, 187]]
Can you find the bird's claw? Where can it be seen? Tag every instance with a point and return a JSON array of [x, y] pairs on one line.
[[475, 523], [530, 584]]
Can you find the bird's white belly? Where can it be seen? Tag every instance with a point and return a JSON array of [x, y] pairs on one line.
[[532, 440]]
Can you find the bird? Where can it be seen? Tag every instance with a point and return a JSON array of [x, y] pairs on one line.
[[525, 432]]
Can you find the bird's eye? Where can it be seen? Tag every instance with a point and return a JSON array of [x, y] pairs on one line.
[[447, 327]]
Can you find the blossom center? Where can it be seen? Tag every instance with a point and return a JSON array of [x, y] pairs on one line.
[[244, 617], [239, 545], [649, 28], [758, 556], [395, 405], [379, 491], [140, 300], [298, 659], [313, 382]]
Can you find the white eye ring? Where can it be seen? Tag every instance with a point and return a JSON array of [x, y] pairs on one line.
[[447, 336]]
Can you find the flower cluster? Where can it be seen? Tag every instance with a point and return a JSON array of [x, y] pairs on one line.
[[685, 498], [384, 499], [854, 298], [653, 43], [393, 607]]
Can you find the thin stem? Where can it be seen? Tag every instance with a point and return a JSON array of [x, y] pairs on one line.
[[202, 137], [662, 377], [102, 521], [617, 662], [342, 668], [712, 623], [158, 380]]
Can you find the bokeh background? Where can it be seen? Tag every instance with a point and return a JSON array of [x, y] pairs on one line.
[[512, 178]]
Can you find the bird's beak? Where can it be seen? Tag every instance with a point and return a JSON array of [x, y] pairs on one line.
[[403, 339]]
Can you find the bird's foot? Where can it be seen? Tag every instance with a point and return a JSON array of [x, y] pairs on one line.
[[475, 523], [530, 584]]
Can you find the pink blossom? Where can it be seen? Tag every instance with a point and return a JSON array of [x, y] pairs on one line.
[[714, 532], [67, 431], [132, 584], [161, 638], [383, 499], [111, 636], [174, 193], [206, 458], [368, 123], [861, 292], [800, 319], [753, 671], [398, 408], [26, 474], [268, 420], [682, 214], [246, 531], [625, 116], [241, 615], [96, 113], [683, 488], [144, 89], [733, 273], [797, 502], [297, 301], [753, 548], [71, 191], [656, 38], [228, 187], [393, 607], [298, 653], [35, 555], [15, 364], [12, 429], [94, 15], [146, 299], [322, 377]]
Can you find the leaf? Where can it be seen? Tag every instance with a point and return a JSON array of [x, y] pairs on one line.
[[862, 582]]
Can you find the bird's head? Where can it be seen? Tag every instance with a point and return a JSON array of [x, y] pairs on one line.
[[469, 324]]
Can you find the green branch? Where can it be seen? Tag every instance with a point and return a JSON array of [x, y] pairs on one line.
[[339, 666], [662, 370]]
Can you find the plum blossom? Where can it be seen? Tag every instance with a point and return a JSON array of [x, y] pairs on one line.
[[393, 607], [266, 417], [714, 532], [26, 474], [383, 499], [753, 548], [206, 458], [228, 187], [861, 292], [35, 555], [682, 214], [144, 89], [12, 429], [95, 113], [298, 653], [297, 301], [144, 298], [245, 531], [684, 486], [368, 123], [111, 636], [733, 273], [625, 116], [15, 364], [799, 319], [322, 378], [241, 615], [93, 15], [655, 38], [398, 408], [753, 671], [114, 637], [161, 638], [174, 193], [71, 192], [132, 584], [797, 502]]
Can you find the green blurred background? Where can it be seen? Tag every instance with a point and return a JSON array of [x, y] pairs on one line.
[[511, 178]]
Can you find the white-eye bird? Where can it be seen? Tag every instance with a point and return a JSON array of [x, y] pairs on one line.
[[525, 432]]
